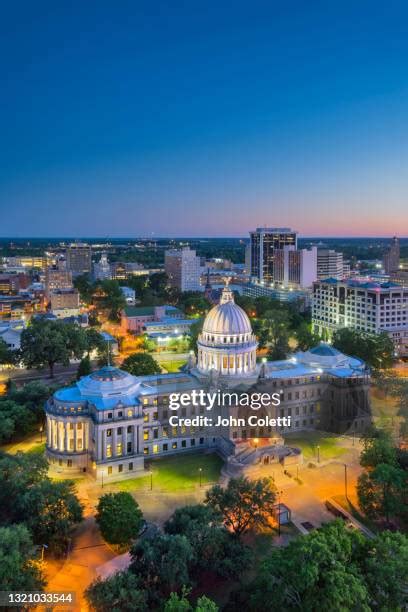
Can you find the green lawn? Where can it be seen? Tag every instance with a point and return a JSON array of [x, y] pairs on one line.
[[180, 472], [173, 366], [30, 443], [330, 444]]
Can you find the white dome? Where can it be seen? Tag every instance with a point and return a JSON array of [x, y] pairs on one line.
[[227, 319]]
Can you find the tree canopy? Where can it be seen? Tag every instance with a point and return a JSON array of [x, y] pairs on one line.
[[141, 364], [119, 518], [377, 350]]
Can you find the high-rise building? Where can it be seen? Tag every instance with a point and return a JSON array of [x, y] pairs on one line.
[[79, 258], [183, 269], [365, 306], [391, 259], [264, 242], [102, 269], [296, 268], [329, 264], [65, 302]]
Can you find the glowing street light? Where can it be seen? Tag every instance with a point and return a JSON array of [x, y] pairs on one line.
[[200, 471]]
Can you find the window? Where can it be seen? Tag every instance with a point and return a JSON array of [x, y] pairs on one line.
[[119, 431], [146, 417], [119, 448], [145, 434], [130, 467], [108, 433], [79, 444], [192, 442], [165, 447], [155, 448], [109, 415], [69, 463], [174, 445], [120, 414], [109, 470], [165, 432], [120, 467], [146, 450], [71, 444], [155, 415], [183, 443], [79, 426], [129, 429], [71, 426], [155, 433], [130, 414], [201, 440], [109, 450]]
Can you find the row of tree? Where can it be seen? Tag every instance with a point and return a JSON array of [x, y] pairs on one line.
[[35, 513]]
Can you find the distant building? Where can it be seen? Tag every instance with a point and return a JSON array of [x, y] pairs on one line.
[[65, 303], [296, 268], [79, 258], [365, 306], [400, 276], [102, 269], [391, 259], [183, 269], [134, 319], [302, 296], [10, 333], [129, 295], [329, 264], [125, 270], [264, 242], [12, 283], [56, 279]]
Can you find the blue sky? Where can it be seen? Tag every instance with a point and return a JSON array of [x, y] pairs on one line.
[[203, 118]]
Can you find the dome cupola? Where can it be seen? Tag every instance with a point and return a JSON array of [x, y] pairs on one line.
[[227, 343]]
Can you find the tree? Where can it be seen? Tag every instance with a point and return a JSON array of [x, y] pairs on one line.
[[305, 337], [158, 283], [317, 571], [51, 511], [377, 448], [180, 603], [195, 331], [85, 288], [276, 324], [84, 368], [94, 341], [381, 492], [377, 350], [244, 504], [119, 518], [45, 343], [14, 419], [215, 548], [384, 565], [121, 592], [6, 355], [112, 299], [163, 564], [33, 396], [194, 303], [19, 570], [141, 364]]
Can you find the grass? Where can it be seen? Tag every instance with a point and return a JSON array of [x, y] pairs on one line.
[[330, 444], [173, 366], [31, 443], [177, 473]]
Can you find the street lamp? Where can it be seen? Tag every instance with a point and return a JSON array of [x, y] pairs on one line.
[[102, 478], [318, 454], [42, 552], [256, 443], [200, 470], [279, 521], [151, 479], [345, 479]]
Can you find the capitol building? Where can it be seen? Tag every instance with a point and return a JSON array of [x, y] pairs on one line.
[[110, 422]]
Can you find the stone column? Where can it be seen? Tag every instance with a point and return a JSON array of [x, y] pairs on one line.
[[67, 428], [75, 437], [114, 441], [135, 440], [99, 449]]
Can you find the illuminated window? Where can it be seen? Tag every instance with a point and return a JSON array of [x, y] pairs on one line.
[[119, 448], [174, 445], [109, 470], [109, 450], [129, 413], [155, 448], [146, 417], [79, 444], [145, 434], [183, 429], [109, 433], [146, 450], [155, 416], [165, 432], [174, 431], [145, 401], [79, 426]]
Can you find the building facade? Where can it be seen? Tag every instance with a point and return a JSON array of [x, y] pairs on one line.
[[366, 306], [183, 269], [56, 279], [263, 244], [79, 258], [110, 422], [391, 259], [65, 303], [329, 264]]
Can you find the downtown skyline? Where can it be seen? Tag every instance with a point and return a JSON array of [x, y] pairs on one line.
[[203, 122]]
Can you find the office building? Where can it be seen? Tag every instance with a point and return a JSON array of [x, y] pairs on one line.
[[295, 268], [391, 259], [329, 264], [366, 306], [65, 303], [264, 243], [102, 269], [79, 258], [183, 269]]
